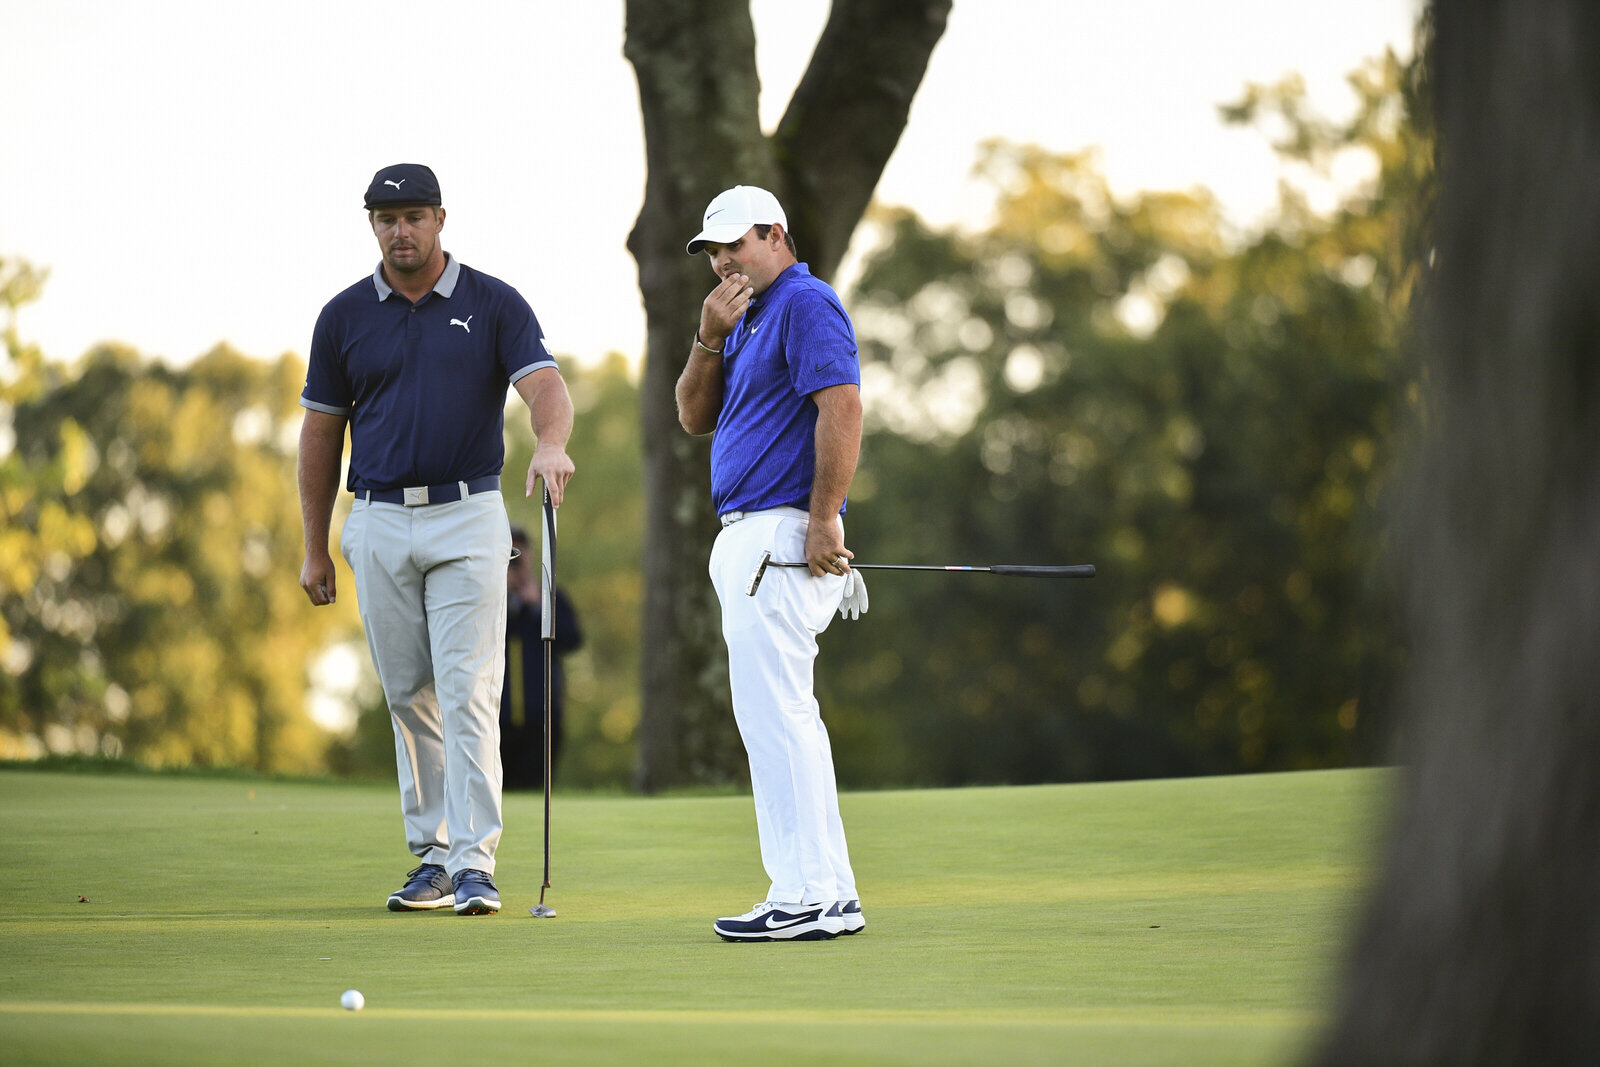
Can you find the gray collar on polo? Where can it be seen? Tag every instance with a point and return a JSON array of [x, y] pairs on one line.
[[444, 286]]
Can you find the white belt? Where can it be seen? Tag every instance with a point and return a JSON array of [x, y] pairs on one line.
[[418, 495], [728, 518]]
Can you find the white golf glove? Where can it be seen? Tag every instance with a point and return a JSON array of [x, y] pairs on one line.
[[854, 604]]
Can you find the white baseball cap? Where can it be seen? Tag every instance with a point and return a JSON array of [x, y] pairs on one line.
[[733, 212]]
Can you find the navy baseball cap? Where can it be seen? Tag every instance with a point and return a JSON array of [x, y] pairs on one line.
[[403, 183]]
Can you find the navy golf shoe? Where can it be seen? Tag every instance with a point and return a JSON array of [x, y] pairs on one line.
[[475, 893], [426, 889]]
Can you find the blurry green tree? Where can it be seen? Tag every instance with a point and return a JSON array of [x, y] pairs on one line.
[[1114, 381], [41, 536], [161, 625]]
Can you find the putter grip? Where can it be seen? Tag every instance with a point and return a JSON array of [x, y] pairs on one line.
[[1080, 570]]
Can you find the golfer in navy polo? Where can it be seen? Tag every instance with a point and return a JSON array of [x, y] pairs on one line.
[[416, 360]]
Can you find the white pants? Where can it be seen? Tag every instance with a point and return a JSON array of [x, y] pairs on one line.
[[431, 586], [772, 644]]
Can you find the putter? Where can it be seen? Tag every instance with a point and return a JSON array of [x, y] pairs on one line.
[[1076, 570], [547, 630]]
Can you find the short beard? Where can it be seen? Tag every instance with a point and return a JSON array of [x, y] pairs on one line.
[[400, 269]]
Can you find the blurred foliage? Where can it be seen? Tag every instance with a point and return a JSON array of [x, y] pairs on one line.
[[147, 613], [1209, 417], [1212, 422], [39, 534]]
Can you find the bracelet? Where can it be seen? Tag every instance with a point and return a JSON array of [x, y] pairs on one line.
[[701, 344]]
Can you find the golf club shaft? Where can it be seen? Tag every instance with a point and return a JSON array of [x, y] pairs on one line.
[[1077, 570], [547, 723], [547, 606]]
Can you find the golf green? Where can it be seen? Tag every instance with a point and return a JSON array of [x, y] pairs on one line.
[[181, 920]]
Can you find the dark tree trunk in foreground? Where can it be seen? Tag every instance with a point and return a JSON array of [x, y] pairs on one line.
[[695, 63], [1481, 944]]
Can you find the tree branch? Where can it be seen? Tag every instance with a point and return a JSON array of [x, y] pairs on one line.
[[846, 116]]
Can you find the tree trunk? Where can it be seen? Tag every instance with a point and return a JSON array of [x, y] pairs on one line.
[[1481, 944], [698, 94]]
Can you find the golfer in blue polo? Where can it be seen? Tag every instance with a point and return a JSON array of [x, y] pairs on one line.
[[416, 360], [775, 375]]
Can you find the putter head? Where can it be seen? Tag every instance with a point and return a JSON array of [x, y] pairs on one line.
[[757, 574], [542, 911]]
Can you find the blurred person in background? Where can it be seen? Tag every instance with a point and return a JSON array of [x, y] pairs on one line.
[[522, 695]]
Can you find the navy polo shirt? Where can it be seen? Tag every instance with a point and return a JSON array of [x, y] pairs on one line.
[[792, 341], [423, 385]]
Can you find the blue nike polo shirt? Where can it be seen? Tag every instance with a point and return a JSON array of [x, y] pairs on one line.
[[792, 341], [423, 385]]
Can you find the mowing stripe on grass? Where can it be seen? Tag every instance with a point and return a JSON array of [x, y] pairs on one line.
[[1066, 1017]]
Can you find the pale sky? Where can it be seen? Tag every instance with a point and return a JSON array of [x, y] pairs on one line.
[[192, 172]]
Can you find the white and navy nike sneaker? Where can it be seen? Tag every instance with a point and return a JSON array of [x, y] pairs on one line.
[[773, 920], [849, 912]]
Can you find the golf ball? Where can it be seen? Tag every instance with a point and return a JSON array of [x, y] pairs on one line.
[[353, 1000]]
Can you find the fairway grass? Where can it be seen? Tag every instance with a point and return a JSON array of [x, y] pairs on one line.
[[1194, 921]]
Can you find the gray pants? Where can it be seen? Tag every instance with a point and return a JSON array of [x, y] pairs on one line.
[[431, 586]]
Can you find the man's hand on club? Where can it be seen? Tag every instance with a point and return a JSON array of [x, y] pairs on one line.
[[826, 554], [825, 551], [551, 463]]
